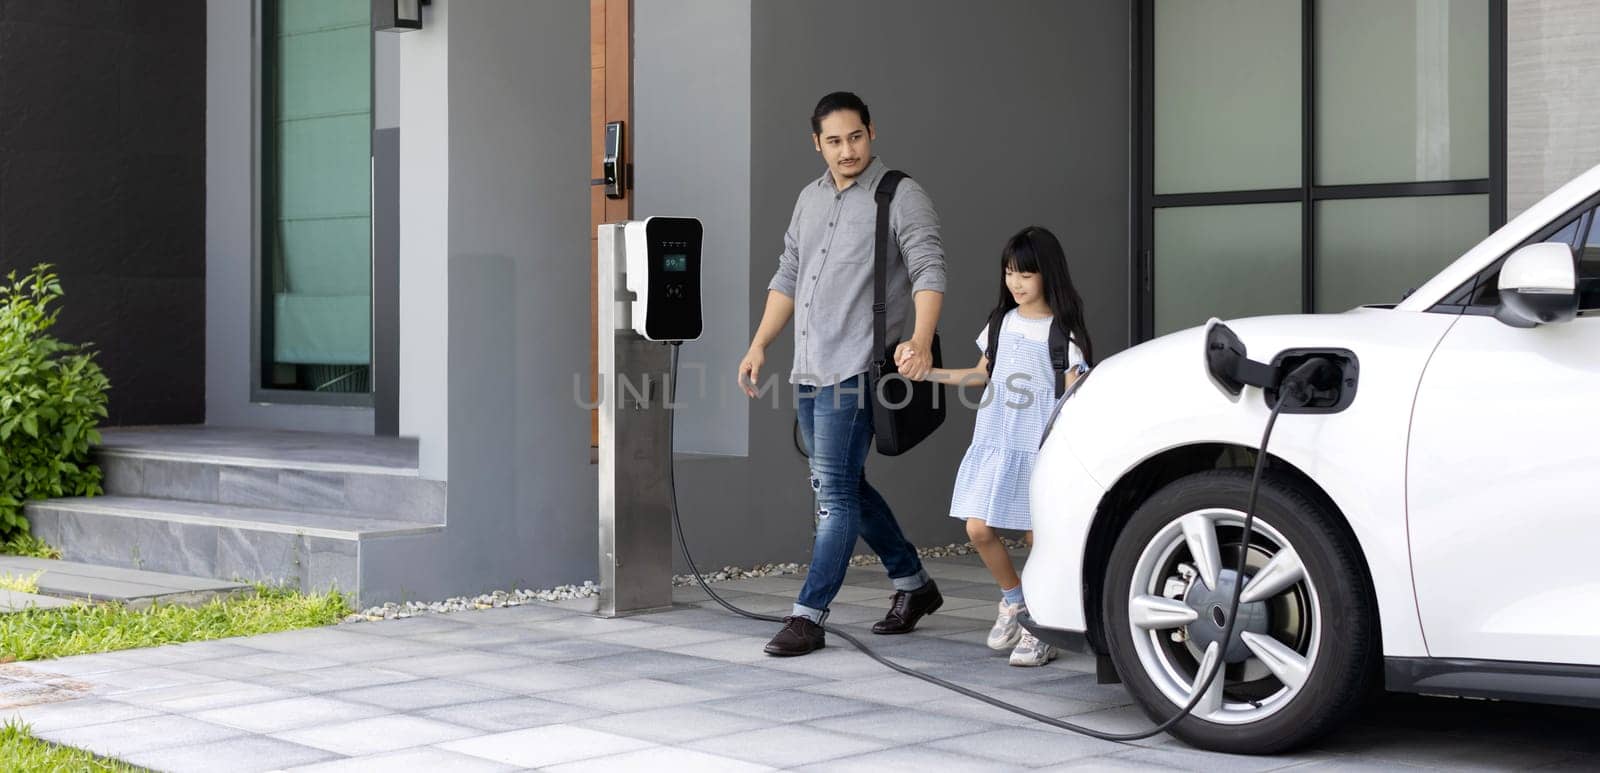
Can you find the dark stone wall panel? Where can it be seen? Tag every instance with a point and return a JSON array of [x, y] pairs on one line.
[[102, 173]]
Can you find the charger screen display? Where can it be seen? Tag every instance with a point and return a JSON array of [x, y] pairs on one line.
[[676, 264]]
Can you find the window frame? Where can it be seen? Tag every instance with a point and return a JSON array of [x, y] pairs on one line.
[[262, 213]]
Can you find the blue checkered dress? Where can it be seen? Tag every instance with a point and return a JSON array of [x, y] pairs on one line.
[[993, 481]]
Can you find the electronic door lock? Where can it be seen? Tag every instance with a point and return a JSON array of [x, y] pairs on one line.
[[613, 165]]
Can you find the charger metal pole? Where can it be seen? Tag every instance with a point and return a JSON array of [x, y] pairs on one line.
[[635, 448]]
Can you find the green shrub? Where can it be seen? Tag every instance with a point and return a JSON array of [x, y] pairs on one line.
[[52, 394]]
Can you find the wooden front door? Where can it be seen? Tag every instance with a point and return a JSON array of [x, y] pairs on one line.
[[611, 99]]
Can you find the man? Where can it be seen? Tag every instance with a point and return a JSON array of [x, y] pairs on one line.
[[825, 280]]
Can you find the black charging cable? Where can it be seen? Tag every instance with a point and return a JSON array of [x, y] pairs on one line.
[[1297, 387]]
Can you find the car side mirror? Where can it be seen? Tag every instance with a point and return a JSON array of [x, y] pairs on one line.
[[1538, 286]]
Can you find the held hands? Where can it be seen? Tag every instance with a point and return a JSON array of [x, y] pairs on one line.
[[914, 359], [750, 370]]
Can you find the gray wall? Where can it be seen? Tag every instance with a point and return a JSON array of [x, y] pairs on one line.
[[521, 489], [691, 107], [1552, 105], [1010, 114], [102, 173], [230, 213]]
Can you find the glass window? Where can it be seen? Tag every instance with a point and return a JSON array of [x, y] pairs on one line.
[[316, 219], [1402, 91], [1399, 181], [1226, 262], [1227, 95], [1376, 250]]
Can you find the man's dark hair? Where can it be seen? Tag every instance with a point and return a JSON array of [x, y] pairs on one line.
[[839, 100]]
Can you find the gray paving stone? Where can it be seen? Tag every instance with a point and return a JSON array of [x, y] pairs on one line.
[[486, 637], [591, 626], [288, 661], [1027, 746], [190, 698], [632, 695], [376, 735], [912, 758], [119, 739], [741, 649], [892, 689], [562, 650], [191, 652], [645, 663], [17, 601], [84, 665], [337, 642], [1344, 764], [663, 636], [1078, 687], [454, 662], [1110, 764], [788, 746], [244, 755], [542, 747], [674, 725], [792, 706], [931, 649], [746, 678], [332, 679], [902, 726], [519, 615], [422, 694], [510, 714], [410, 626], [48, 717], [1189, 759], [545, 677], [289, 714], [428, 759], [113, 682], [659, 759], [229, 669]]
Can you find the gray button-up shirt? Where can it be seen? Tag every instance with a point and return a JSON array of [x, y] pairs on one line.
[[826, 267]]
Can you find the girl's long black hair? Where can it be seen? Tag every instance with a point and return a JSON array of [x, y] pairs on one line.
[[1035, 250]]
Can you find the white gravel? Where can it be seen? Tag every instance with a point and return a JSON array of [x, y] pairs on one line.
[[515, 598]]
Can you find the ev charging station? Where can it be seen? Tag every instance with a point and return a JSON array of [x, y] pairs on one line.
[[648, 303]]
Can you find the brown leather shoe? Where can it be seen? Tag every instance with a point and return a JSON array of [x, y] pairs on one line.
[[908, 608], [799, 636]]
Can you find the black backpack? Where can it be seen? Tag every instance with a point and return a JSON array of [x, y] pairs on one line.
[[1058, 349]]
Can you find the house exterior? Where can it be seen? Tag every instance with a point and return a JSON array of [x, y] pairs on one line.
[[297, 223]]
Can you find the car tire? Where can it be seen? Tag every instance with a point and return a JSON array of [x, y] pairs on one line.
[[1310, 653]]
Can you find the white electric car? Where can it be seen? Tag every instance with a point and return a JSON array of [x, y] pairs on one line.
[[1433, 527]]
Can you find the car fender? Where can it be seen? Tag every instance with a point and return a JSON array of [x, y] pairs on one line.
[[1157, 397]]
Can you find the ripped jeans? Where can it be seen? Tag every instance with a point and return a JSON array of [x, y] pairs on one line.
[[837, 424]]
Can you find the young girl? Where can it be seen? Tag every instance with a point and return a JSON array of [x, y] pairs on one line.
[[991, 490]]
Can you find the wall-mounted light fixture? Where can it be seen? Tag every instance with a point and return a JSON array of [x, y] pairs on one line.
[[397, 15]]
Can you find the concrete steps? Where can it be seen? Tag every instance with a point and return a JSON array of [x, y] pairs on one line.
[[286, 508]]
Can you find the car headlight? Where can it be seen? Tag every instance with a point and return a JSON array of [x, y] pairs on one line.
[[1065, 396]]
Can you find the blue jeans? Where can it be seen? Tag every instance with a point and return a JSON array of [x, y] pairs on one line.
[[837, 424]]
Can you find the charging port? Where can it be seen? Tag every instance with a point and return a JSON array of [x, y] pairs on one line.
[[1330, 391]]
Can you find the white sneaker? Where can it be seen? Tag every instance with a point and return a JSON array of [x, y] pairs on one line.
[[1032, 652], [1006, 630]]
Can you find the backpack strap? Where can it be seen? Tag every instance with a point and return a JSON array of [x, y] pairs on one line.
[[880, 259], [1059, 347]]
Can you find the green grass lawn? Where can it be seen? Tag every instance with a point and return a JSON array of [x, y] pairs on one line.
[[20, 751], [38, 634]]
